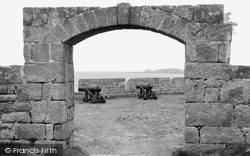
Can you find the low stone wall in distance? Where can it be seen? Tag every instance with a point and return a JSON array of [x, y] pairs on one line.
[[119, 87]]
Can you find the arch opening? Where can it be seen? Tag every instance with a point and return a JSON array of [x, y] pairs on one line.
[[119, 122]]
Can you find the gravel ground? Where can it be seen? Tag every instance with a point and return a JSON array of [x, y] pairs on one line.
[[131, 126]]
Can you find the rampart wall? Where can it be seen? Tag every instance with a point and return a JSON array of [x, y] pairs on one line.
[[119, 87]]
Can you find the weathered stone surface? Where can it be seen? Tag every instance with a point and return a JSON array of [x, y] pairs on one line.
[[9, 88], [3, 89], [46, 91], [212, 95], [240, 72], [236, 91], [70, 102], [11, 75], [27, 16], [16, 117], [194, 91], [167, 23], [43, 17], [8, 98], [6, 131], [69, 12], [68, 54], [90, 20], [202, 52], [135, 13], [39, 111], [80, 23], [192, 32], [207, 70], [211, 135], [61, 53], [49, 131], [49, 38], [192, 135], [52, 143], [123, 12], [40, 53], [48, 72], [69, 72], [27, 52], [247, 132], [111, 15], [69, 91], [224, 52], [212, 114], [242, 115], [101, 17], [209, 13], [5, 107], [218, 32], [196, 148], [57, 52], [30, 92], [212, 83], [29, 131], [58, 91], [63, 131], [34, 34], [178, 30], [185, 12], [57, 112], [151, 18], [71, 29], [70, 113], [21, 142], [60, 33], [21, 106]]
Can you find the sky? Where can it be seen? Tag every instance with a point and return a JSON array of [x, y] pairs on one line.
[[121, 50]]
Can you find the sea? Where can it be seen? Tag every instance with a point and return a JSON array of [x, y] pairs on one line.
[[127, 75]]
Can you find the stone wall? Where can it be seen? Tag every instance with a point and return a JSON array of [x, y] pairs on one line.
[[120, 87], [112, 87], [37, 102], [218, 110], [30, 113]]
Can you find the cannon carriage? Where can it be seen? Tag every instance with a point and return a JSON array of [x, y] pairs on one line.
[[145, 92], [92, 94]]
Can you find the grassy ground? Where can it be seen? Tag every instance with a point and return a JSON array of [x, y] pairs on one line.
[[131, 126]]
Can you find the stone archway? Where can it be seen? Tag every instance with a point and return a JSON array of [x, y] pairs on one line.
[[215, 115]]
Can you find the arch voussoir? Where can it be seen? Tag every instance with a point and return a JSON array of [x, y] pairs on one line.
[[151, 18], [70, 28], [123, 13], [101, 17], [111, 15]]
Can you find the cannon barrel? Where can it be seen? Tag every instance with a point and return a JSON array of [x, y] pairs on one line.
[[148, 86], [92, 89]]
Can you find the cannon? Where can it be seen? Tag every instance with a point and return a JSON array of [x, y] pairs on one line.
[[92, 94], [145, 92]]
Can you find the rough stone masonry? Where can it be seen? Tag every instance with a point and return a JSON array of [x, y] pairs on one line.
[[37, 101]]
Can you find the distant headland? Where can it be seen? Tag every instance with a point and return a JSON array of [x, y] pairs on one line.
[[167, 70]]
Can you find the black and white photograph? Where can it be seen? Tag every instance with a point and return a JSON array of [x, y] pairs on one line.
[[124, 78]]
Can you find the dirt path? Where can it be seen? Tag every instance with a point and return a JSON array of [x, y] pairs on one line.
[[130, 126]]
